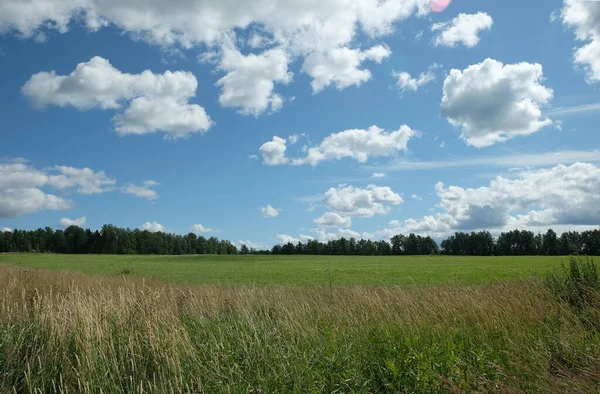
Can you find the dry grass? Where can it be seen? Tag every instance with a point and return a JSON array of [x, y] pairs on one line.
[[70, 333]]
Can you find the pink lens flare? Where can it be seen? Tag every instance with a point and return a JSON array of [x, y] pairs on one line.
[[439, 5]]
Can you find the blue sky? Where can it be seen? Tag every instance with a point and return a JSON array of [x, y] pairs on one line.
[[194, 127]]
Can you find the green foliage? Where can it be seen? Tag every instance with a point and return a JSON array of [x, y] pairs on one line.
[[577, 284]]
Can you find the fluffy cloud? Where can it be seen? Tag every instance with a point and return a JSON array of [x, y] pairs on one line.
[[270, 212], [341, 66], [85, 180], [283, 239], [538, 199], [301, 25], [465, 29], [251, 79], [21, 187], [66, 222], [153, 227], [154, 101], [198, 228], [332, 219], [406, 83], [355, 143], [320, 32], [378, 175], [584, 18], [251, 245], [273, 152], [324, 236], [492, 102], [353, 201], [143, 191], [5, 230], [416, 197]]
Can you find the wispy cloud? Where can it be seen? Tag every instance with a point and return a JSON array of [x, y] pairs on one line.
[[574, 110], [509, 161]]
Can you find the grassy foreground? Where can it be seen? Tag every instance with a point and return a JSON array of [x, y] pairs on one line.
[[298, 270], [71, 333]]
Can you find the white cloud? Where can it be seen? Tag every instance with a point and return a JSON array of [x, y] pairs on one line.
[[252, 157], [143, 191], [85, 180], [5, 230], [270, 212], [512, 160], [294, 138], [355, 143], [273, 152], [573, 110], [283, 239], [416, 197], [332, 219], [66, 222], [560, 196], [324, 236], [153, 101], [378, 175], [353, 201], [198, 228], [21, 187], [250, 80], [301, 25], [153, 227], [492, 102], [465, 29], [406, 83], [251, 245], [340, 66], [584, 18], [278, 31]]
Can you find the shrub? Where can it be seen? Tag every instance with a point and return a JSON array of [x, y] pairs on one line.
[[577, 284]]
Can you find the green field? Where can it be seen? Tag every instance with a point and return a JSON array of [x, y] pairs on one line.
[[298, 270]]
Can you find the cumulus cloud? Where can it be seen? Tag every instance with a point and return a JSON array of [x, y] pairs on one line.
[[270, 212], [341, 66], [5, 230], [357, 144], [320, 32], [273, 152], [250, 80], [21, 187], [534, 199], [198, 228], [66, 222], [416, 197], [406, 83], [143, 191], [301, 25], [251, 245], [283, 239], [153, 227], [352, 201], [583, 17], [154, 102], [492, 102], [378, 175], [464, 29], [84, 180], [324, 236], [332, 219]]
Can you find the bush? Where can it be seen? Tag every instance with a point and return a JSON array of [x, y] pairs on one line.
[[576, 284]]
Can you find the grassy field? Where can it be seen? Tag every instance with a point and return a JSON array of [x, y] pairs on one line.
[[63, 332], [298, 270]]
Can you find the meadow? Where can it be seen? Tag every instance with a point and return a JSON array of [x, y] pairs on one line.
[[492, 327], [298, 270]]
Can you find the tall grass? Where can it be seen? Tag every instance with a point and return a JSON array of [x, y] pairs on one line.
[[70, 333]]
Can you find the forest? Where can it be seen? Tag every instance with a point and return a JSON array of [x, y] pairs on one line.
[[115, 240]]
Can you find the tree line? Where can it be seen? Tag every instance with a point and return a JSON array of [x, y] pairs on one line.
[[115, 240]]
